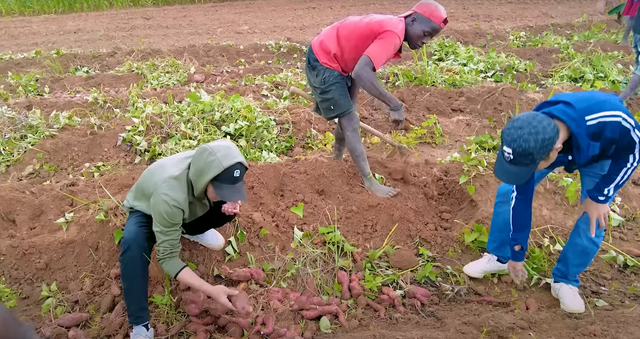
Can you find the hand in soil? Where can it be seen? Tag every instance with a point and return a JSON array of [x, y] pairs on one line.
[[380, 190], [518, 273], [397, 115], [231, 208], [221, 293]]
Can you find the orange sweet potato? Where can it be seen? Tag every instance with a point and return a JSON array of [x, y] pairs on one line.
[[70, 320], [343, 280]]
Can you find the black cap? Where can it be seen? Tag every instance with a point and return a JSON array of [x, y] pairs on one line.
[[229, 184]]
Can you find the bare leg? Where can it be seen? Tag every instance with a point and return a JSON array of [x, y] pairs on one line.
[[340, 144], [349, 125], [631, 89], [627, 30]]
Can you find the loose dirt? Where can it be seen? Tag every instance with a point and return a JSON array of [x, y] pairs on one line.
[[431, 209]]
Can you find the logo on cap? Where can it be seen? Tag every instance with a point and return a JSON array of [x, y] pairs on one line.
[[507, 152], [236, 173]]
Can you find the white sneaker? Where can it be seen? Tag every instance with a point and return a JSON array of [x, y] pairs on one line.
[[139, 332], [210, 239], [488, 264], [569, 296]]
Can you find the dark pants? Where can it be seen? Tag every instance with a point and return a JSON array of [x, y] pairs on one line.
[[329, 87], [135, 254]]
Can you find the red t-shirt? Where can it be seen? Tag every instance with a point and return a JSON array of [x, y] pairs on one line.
[[342, 44]]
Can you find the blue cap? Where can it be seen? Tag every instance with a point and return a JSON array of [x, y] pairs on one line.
[[526, 140]]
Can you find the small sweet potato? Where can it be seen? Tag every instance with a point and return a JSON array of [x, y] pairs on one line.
[[311, 330], [300, 303], [215, 308], [532, 305], [384, 300], [414, 302], [357, 256], [203, 334], [234, 330], [360, 275], [115, 273], [293, 296], [241, 302], [377, 307], [223, 321], [354, 286], [244, 323], [118, 311], [310, 288], [334, 301], [238, 274], [115, 290], [397, 301], [107, 304], [316, 301], [320, 311], [258, 325], [278, 333], [343, 280], [75, 333], [269, 323], [361, 301], [417, 292], [294, 331], [70, 320], [195, 327], [257, 275]]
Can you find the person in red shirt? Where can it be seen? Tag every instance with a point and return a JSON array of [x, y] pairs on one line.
[[345, 57]]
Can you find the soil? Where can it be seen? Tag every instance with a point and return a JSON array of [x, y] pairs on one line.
[[431, 209]]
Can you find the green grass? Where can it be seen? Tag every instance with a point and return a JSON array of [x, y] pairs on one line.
[[20, 132], [162, 130], [159, 72], [453, 65], [40, 7], [8, 297]]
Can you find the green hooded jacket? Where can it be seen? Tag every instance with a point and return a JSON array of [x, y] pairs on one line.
[[172, 191]]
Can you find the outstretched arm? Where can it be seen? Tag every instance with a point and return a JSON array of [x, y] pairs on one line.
[[365, 77]]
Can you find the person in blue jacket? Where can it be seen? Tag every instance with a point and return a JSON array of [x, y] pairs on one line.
[[591, 132]]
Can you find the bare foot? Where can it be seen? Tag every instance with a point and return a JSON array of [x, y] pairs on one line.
[[380, 190]]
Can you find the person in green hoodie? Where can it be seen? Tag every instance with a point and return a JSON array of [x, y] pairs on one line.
[[189, 195]]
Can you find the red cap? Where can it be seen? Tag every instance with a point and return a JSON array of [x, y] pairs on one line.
[[431, 10]]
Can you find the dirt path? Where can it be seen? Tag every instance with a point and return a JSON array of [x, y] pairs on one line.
[[247, 21]]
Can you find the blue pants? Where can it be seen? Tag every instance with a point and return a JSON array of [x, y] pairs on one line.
[[135, 255], [579, 250]]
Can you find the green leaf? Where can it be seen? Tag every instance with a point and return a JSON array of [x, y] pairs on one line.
[[229, 249], [266, 267], [469, 236], [101, 217], [45, 293], [600, 303], [192, 266], [46, 306], [615, 219], [348, 247], [463, 179], [298, 209], [117, 235], [54, 287], [325, 325], [233, 243], [297, 234], [241, 236], [471, 189], [610, 256], [263, 232]]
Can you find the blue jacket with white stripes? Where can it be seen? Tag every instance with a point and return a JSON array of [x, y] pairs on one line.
[[601, 129]]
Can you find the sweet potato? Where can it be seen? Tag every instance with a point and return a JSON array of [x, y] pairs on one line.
[[244, 323], [354, 286], [115, 273], [343, 280], [278, 333], [203, 334], [118, 311], [414, 302], [223, 321], [215, 308], [360, 275], [269, 323], [361, 301], [397, 301], [70, 320], [300, 303], [75, 333], [112, 327], [161, 330], [115, 290], [177, 328], [107, 304], [258, 325], [384, 300], [311, 330], [320, 311], [532, 305], [310, 290], [182, 286], [417, 292], [377, 307], [241, 302], [294, 331], [334, 301], [195, 327], [257, 275], [317, 301], [193, 302], [241, 274], [234, 330], [357, 256], [293, 296]]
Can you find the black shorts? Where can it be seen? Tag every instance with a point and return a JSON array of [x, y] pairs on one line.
[[330, 89]]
